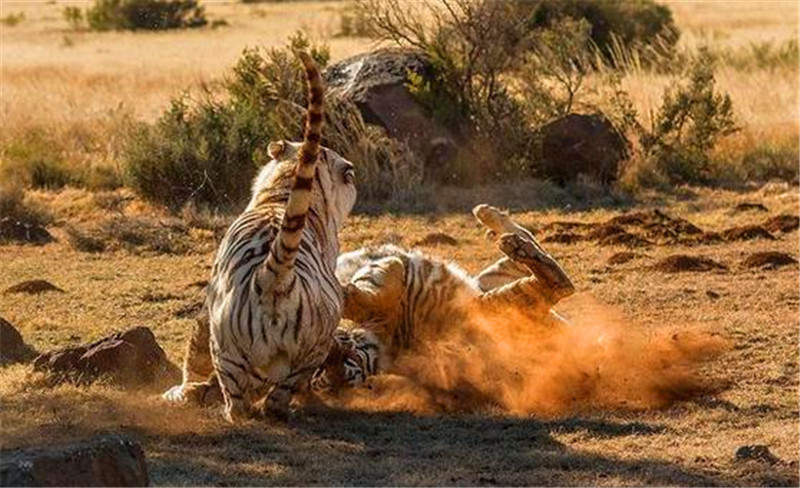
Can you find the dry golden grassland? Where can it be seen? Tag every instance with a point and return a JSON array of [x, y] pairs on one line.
[[688, 443], [76, 86]]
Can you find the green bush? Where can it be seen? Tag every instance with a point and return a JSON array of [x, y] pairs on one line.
[[691, 119], [74, 17], [615, 24], [13, 19], [145, 14], [206, 151]]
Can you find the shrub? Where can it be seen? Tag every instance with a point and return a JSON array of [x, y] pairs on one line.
[[616, 25], [13, 19], [205, 151], [38, 158], [35, 160], [554, 71], [690, 121], [74, 17], [472, 46], [14, 205], [353, 22], [145, 14]]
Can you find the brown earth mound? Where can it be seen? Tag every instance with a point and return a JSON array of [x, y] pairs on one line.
[[680, 262], [747, 233], [563, 225], [750, 206], [604, 231], [640, 218], [437, 238], [769, 259], [33, 287], [563, 238], [782, 223], [624, 239], [624, 257]]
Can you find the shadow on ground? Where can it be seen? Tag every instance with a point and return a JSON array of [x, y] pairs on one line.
[[353, 448]]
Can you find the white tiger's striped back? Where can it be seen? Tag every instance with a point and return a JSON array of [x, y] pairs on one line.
[[273, 297]]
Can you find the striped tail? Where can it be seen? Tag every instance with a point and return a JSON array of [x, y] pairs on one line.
[[286, 245]]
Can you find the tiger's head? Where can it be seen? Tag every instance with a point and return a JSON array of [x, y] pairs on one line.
[[334, 190], [375, 293]]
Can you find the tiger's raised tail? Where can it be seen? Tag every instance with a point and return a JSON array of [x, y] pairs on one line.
[[286, 245]]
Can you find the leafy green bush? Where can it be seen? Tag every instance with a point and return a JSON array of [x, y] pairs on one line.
[[615, 24], [205, 152], [145, 14], [691, 119]]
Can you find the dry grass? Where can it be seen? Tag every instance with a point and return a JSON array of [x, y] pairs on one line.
[[687, 444], [80, 86]]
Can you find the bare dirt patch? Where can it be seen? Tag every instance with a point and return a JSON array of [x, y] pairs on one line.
[[681, 263], [747, 233], [769, 259], [437, 239], [563, 238], [750, 207], [782, 223], [33, 287], [624, 257]]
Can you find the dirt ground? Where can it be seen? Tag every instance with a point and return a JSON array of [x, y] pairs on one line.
[[687, 443]]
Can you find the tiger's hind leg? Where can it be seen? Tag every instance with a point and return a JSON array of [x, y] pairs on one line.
[[276, 404], [520, 245], [198, 380]]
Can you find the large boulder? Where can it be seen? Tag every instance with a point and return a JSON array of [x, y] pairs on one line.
[[12, 347], [131, 358], [581, 145], [376, 83], [16, 231], [107, 461]]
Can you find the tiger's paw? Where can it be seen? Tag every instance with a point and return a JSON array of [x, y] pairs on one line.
[[175, 394]]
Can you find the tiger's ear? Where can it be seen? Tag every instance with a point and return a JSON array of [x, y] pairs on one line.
[[276, 149]]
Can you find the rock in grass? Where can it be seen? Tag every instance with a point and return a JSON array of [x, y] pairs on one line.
[[33, 287], [16, 231], [782, 223], [756, 453], [131, 358], [104, 461], [768, 259], [12, 348]]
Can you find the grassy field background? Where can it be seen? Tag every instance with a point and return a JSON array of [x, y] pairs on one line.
[[75, 86], [78, 86]]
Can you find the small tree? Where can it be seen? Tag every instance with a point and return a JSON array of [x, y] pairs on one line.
[[690, 121], [145, 14], [555, 69]]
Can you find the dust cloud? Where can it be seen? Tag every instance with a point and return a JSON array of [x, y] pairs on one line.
[[507, 360]]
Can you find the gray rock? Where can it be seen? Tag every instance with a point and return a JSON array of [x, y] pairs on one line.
[[16, 231], [756, 453], [376, 83], [12, 348], [107, 461], [585, 145]]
